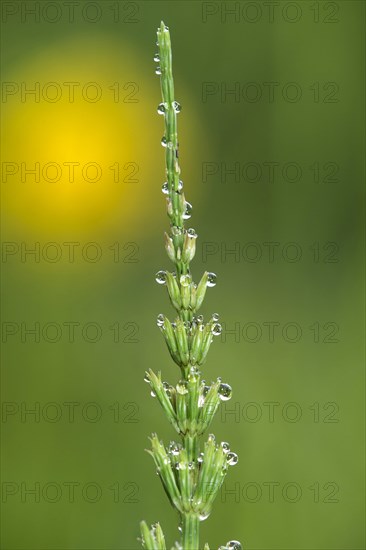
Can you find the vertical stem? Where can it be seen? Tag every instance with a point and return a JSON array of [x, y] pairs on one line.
[[176, 209], [172, 159], [190, 535], [191, 446]]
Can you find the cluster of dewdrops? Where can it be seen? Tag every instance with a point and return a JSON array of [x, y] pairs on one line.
[[197, 322], [174, 450], [186, 280]]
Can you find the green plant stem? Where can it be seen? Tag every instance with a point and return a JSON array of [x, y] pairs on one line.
[[190, 531], [191, 446], [190, 522], [191, 478], [171, 137]]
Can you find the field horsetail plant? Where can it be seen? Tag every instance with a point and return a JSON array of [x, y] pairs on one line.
[[192, 474]]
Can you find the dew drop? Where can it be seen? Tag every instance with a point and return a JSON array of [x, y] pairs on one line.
[[182, 388], [199, 319], [180, 185], [160, 277], [160, 320], [211, 279], [215, 317], [191, 232], [205, 390], [156, 58], [152, 393], [225, 447], [216, 329], [177, 107], [180, 528], [165, 188], [158, 70], [174, 448], [194, 371], [167, 460], [165, 143], [167, 387], [161, 109], [234, 545], [190, 466], [188, 211], [203, 516], [224, 392], [212, 438], [232, 458], [185, 280], [147, 377], [200, 458]]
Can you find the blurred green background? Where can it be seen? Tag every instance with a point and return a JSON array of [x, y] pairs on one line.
[[293, 130]]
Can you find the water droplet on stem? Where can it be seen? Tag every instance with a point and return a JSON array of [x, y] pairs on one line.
[[224, 392], [160, 277], [232, 458], [161, 109], [177, 107], [188, 211], [216, 329], [160, 320], [225, 447], [192, 233], [211, 279]]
